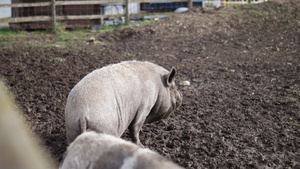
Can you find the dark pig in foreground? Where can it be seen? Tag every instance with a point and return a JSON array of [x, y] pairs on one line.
[[102, 151], [120, 96]]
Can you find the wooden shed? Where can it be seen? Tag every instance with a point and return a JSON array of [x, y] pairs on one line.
[[65, 10]]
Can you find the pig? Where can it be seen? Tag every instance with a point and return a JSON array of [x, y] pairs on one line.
[[120, 96], [102, 151]]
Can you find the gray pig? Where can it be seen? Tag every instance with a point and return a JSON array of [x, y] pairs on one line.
[[120, 96], [102, 151]]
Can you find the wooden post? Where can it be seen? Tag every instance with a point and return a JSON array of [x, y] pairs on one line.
[[127, 12], [53, 16], [190, 3]]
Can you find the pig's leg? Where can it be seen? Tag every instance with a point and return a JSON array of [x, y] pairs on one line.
[[137, 123], [134, 130]]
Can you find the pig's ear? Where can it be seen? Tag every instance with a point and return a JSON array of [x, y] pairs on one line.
[[171, 76]]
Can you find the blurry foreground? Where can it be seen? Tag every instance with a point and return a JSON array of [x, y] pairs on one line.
[[18, 147]]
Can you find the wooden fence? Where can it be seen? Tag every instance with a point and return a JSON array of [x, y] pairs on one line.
[[54, 18]]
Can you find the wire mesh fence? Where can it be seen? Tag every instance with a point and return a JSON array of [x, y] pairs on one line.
[[38, 14], [44, 14]]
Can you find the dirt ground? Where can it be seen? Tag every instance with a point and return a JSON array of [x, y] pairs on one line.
[[242, 109]]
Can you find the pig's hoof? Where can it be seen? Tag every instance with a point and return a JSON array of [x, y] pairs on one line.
[[141, 145]]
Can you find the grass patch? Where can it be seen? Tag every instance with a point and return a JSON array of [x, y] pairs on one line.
[[120, 25], [57, 60], [130, 55], [7, 45], [286, 100], [292, 122], [65, 37], [58, 44], [224, 41], [46, 38], [295, 92], [238, 43], [6, 31], [33, 44]]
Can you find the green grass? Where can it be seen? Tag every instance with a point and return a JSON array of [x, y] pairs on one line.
[[61, 42], [70, 36], [7, 45], [6, 31], [238, 43], [106, 28], [60, 39], [65, 37], [291, 121], [224, 41], [285, 100], [130, 55], [121, 25], [57, 60], [295, 92]]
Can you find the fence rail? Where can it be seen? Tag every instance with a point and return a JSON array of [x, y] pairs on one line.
[[55, 8]]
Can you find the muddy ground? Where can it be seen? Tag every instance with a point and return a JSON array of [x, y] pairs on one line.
[[242, 109]]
